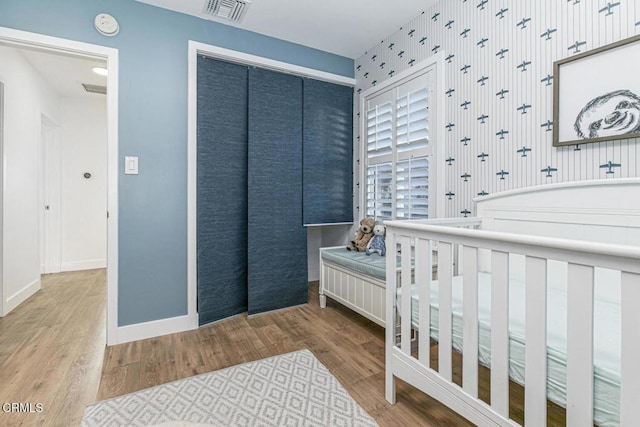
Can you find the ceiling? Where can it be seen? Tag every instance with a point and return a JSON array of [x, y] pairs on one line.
[[344, 27], [66, 73]]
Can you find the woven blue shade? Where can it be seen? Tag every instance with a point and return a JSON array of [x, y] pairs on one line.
[[222, 190], [253, 174], [277, 250], [328, 153]]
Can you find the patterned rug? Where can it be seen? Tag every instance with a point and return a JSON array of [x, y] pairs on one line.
[[292, 389]]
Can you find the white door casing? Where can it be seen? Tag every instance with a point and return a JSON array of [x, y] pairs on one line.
[[17, 38]]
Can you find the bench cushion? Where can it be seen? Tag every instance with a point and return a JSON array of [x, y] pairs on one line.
[[371, 265]]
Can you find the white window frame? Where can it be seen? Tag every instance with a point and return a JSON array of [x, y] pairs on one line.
[[433, 64]]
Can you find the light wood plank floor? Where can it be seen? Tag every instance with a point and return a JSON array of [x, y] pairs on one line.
[[350, 346], [52, 348], [52, 351]]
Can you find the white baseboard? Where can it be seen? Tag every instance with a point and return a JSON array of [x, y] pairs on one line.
[[84, 265], [156, 328], [21, 296]]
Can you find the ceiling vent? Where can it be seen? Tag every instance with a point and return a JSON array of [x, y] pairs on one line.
[[230, 10], [95, 88]]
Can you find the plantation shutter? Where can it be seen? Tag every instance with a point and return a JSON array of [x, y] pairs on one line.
[[412, 145], [398, 151], [412, 189], [379, 191], [379, 131], [380, 135], [412, 117]]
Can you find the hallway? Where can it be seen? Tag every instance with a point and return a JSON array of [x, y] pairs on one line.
[[51, 350]]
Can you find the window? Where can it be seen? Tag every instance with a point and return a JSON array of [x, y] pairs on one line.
[[379, 194], [412, 188], [399, 150]]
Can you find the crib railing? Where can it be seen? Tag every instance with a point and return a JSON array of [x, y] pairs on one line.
[[420, 240]]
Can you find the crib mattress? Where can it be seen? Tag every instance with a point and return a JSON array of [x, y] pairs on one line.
[[606, 340]]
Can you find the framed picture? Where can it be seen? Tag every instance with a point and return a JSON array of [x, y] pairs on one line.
[[596, 95]]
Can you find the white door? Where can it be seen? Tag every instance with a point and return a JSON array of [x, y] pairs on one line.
[[50, 218]]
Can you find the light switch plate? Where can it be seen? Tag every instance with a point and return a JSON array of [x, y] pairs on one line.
[[131, 165]]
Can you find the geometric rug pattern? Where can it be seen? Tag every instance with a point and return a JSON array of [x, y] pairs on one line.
[[292, 389]]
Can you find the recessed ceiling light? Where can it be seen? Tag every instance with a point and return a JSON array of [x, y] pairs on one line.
[[100, 70]]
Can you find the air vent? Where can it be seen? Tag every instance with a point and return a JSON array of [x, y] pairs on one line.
[[230, 10], [95, 88]]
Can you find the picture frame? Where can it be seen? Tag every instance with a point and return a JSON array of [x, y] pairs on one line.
[[596, 95]]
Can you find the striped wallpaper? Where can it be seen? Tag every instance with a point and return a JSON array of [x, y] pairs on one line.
[[499, 97]]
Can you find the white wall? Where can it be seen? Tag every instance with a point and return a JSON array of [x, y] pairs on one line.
[[27, 98], [84, 203], [460, 29], [322, 237], [314, 242]]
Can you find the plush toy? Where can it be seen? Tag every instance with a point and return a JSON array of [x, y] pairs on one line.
[[376, 244], [363, 235]]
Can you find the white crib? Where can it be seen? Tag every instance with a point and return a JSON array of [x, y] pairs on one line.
[[583, 237]]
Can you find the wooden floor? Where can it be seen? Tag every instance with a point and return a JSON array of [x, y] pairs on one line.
[[52, 352], [350, 346], [52, 348]]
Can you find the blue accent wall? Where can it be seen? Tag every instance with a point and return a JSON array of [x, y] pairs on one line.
[[153, 45]]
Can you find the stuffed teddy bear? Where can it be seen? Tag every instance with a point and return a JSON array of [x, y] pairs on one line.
[[363, 235], [376, 244]]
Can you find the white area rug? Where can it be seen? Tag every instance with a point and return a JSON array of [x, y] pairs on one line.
[[292, 389]]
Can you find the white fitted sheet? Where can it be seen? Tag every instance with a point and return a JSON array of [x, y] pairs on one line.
[[606, 340]]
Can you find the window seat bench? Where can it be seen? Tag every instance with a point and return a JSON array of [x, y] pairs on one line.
[[354, 279]]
